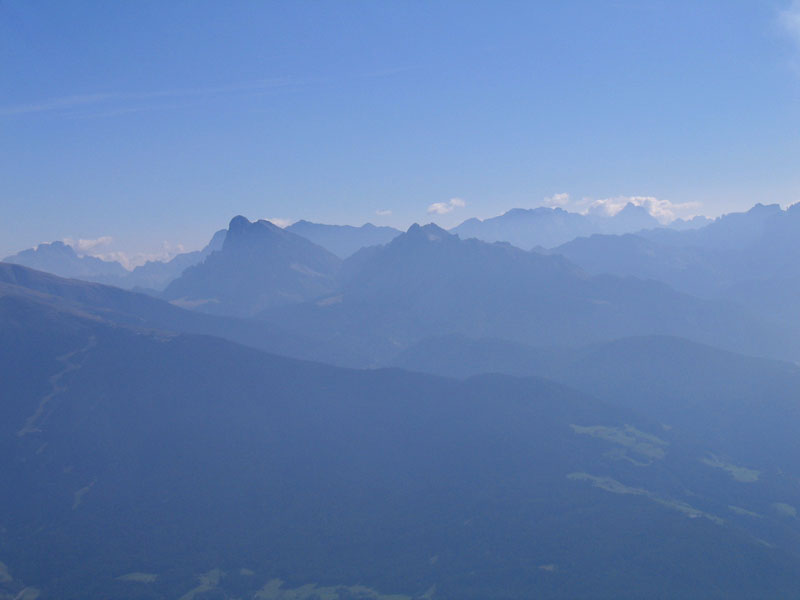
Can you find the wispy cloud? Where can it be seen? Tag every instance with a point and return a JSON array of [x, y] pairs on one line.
[[390, 71], [790, 20], [442, 208], [115, 103], [383, 212], [64, 103]]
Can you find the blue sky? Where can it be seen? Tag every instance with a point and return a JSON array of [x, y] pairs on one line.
[[153, 123]]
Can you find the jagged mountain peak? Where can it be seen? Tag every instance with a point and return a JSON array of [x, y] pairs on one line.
[[430, 232]]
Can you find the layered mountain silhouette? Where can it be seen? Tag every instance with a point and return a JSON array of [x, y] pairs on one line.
[[550, 227], [751, 258], [344, 240], [259, 266], [428, 282], [142, 464]]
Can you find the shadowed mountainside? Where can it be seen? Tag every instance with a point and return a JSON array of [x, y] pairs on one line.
[[150, 465]]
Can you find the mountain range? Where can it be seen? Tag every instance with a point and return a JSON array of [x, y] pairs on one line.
[[550, 227], [750, 258], [429, 418], [525, 228]]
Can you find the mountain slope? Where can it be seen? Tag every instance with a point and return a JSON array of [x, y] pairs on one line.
[[144, 465], [747, 407], [259, 266], [128, 308]]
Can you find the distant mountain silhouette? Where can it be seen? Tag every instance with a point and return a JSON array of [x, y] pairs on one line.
[[693, 223], [428, 282], [344, 240], [60, 259], [138, 464], [259, 266], [550, 227]]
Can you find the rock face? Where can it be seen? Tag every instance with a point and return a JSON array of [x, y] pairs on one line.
[[259, 266]]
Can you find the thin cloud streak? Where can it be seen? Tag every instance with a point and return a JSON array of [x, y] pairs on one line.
[[112, 100], [66, 102], [245, 89]]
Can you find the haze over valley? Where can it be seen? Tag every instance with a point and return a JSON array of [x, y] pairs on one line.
[[399, 301]]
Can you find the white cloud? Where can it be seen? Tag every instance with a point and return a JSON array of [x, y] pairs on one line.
[[123, 258], [82, 246], [555, 200], [442, 208], [663, 210], [383, 212]]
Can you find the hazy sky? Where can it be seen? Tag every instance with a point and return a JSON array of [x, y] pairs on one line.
[[153, 122]]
